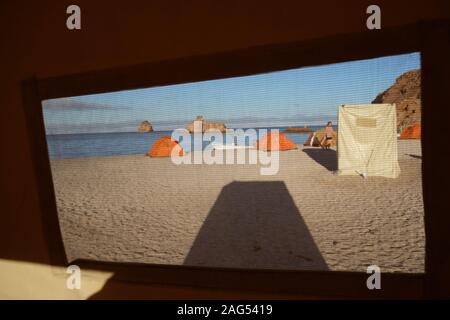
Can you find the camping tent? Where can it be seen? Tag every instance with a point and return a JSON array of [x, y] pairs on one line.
[[164, 147], [367, 140], [275, 141], [412, 132]]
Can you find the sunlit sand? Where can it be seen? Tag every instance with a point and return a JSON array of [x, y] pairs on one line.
[[149, 210]]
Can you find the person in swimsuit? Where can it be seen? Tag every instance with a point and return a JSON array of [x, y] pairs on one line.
[[328, 137]]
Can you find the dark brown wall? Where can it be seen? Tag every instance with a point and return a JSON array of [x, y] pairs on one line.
[[35, 41]]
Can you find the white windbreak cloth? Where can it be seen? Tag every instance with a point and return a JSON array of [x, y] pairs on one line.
[[367, 140]]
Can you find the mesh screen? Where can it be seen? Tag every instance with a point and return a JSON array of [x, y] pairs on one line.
[[242, 172]]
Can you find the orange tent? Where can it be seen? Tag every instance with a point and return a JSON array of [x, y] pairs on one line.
[[279, 141], [164, 146], [412, 132]]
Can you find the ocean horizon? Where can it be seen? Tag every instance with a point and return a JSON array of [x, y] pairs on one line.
[[83, 145]]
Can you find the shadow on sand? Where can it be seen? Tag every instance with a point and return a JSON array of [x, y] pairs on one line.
[[252, 225], [326, 158], [255, 225]]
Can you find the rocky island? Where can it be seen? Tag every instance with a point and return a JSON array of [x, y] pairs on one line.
[[145, 126], [297, 130], [204, 126]]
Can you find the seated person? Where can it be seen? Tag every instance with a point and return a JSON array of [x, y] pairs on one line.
[[328, 136]]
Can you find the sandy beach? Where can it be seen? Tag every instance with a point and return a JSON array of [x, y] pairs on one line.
[[149, 210]]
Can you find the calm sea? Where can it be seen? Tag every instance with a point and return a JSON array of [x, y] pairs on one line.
[[64, 146]]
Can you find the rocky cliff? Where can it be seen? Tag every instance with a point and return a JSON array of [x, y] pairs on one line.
[[203, 126], [406, 94], [145, 126]]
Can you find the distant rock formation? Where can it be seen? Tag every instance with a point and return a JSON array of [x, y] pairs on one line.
[[406, 94], [201, 125], [297, 130], [145, 126]]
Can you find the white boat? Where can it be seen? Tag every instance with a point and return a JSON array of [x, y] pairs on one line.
[[219, 146]]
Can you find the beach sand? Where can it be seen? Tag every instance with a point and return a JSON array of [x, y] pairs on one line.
[[149, 210]]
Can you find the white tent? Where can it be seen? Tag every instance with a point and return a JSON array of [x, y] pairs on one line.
[[367, 140]]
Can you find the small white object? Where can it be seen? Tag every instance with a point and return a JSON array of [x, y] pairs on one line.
[[219, 146], [362, 174]]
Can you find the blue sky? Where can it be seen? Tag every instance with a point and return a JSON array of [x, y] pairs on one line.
[[305, 96]]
